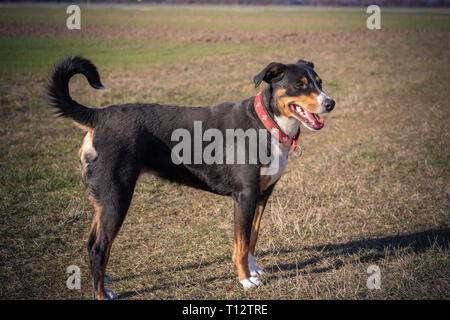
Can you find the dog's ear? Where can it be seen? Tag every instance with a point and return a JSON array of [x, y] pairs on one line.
[[273, 72], [308, 63]]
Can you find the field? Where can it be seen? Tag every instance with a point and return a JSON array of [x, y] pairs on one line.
[[372, 187]]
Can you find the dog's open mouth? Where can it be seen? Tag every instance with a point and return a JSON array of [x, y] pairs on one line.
[[309, 119]]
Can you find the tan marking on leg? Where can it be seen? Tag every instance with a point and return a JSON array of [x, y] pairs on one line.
[[100, 289], [94, 235], [240, 257], [96, 231], [264, 182], [96, 217], [255, 226]]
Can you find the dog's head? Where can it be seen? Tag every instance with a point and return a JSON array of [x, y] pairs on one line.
[[296, 92]]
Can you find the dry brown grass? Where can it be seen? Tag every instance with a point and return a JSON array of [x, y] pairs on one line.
[[371, 187]]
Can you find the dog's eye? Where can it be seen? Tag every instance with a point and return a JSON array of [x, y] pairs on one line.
[[301, 85]]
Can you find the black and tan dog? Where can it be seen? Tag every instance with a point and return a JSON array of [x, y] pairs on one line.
[[122, 141]]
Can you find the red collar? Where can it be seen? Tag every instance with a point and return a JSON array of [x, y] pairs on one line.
[[273, 129]]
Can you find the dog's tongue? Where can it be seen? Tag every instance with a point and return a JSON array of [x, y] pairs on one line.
[[314, 119]]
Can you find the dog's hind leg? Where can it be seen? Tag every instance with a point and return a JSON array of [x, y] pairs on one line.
[[111, 200]]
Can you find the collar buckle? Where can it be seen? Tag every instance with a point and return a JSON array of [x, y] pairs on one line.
[[297, 151]]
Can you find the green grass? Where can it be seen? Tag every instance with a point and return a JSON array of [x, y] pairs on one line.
[[38, 54], [266, 20]]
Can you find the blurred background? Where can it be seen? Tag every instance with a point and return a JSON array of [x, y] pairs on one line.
[[406, 3]]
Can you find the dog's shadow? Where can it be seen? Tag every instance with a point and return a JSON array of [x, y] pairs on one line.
[[368, 250], [373, 250]]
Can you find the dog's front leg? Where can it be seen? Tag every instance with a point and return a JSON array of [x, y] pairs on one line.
[[244, 209], [260, 206]]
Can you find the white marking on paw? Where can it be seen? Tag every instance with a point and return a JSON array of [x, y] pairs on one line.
[[247, 284], [254, 269], [251, 282], [256, 281]]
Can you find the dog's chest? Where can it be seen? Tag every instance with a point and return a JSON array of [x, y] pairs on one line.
[[269, 174]]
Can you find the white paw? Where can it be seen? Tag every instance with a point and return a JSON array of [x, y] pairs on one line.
[[111, 295], [254, 269], [256, 281], [247, 284], [108, 279], [251, 282]]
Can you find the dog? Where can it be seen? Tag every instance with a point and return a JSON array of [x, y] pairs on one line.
[[123, 141]]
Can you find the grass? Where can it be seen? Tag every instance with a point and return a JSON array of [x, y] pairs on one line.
[[266, 20], [371, 187], [20, 54]]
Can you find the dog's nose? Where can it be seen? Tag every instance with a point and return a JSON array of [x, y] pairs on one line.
[[329, 104]]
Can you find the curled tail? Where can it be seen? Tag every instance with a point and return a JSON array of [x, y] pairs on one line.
[[58, 90]]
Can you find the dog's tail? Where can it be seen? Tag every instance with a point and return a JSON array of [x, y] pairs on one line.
[[58, 90]]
